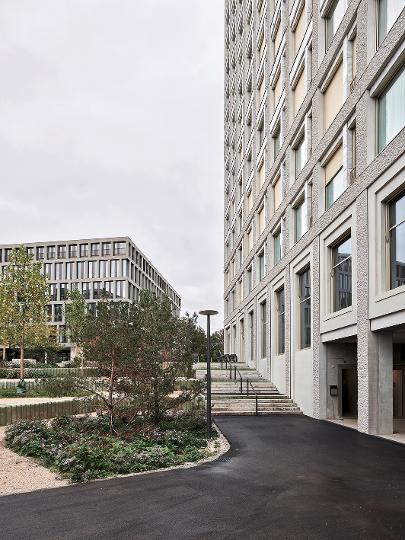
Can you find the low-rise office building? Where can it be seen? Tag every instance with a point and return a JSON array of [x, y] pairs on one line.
[[97, 267], [315, 202]]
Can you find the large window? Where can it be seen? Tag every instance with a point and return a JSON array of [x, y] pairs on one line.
[[299, 31], [334, 179], [305, 308], [263, 332], [86, 290], [333, 19], [388, 13], [299, 154], [278, 195], [396, 212], [299, 220], [58, 313], [280, 299], [278, 248], [342, 274], [299, 92], [333, 96], [391, 111], [261, 265]]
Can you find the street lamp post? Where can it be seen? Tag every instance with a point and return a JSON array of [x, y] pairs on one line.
[[208, 313]]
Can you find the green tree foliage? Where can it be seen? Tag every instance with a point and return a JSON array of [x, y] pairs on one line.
[[141, 349], [217, 344], [23, 297], [195, 341]]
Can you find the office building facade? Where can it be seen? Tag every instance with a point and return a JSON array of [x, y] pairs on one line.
[[314, 217], [97, 267]]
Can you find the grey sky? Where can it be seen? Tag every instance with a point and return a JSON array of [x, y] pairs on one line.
[[111, 124]]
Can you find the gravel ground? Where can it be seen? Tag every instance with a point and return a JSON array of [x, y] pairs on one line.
[[20, 474]]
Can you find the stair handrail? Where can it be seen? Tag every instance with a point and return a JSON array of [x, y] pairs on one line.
[[249, 383]]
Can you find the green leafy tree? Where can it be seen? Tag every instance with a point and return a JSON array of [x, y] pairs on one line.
[[194, 341], [107, 339], [217, 344], [23, 297]]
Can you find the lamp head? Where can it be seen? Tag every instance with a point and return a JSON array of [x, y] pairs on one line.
[[208, 312]]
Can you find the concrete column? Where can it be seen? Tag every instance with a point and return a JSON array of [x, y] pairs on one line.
[[385, 385]]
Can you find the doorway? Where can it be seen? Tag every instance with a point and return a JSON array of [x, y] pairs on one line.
[[242, 341], [398, 393], [349, 392]]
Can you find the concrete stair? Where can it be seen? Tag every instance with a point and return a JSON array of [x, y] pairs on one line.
[[227, 398]]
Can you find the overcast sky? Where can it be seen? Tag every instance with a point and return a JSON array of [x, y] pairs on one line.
[[111, 121]]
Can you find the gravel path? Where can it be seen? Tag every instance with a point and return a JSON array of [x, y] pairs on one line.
[[19, 474]]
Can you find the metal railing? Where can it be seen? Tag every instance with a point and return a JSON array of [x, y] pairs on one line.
[[234, 374]]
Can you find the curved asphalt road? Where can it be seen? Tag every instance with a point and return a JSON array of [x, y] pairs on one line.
[[285, 477]]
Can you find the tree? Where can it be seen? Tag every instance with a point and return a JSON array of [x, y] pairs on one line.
[[217, 344], [195, 341], [107, 339], [23, 297]]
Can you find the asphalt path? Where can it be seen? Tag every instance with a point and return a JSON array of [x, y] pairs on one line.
[[285, 477]]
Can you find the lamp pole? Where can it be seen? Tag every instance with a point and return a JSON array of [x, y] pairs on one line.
[[208, 313]]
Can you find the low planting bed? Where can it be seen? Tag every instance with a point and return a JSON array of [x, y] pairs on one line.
[[82, 449]]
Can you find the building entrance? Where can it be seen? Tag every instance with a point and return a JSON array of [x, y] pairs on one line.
[[349, 393]]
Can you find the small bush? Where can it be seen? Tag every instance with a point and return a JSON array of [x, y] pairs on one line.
[[81, 448]]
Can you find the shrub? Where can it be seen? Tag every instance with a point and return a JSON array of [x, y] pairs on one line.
[[82, 449]]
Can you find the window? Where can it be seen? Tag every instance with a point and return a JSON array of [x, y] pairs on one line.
[[261, 132], [261, 220], [261, 265], [51, 252], [263, 332], [299, 155], [109, 289], [251, 335], [388, 12], [48, 270], [53, 292], [106, 249], [86, 290], [97, 290], [250, 239], [120, 248], [305, 308], [342, 274], [277, 193], [63, 291], [333, 19], [276, 141], [93, 267], [262, 175], [84, 250], [334, 180], [299, 220], [114, 268], [70, 271], [391, 111], [277, 90], [58, 313], [40, 253], [30, 252], [61, 252], [250, 279], [48, 313], [333, 97], [277, 246], [354, 57], [81, 270], [58, 270], [299, 91], [280, 302], [396, 220], [299, 31], [95, 250], [73, 250], [120, 289]]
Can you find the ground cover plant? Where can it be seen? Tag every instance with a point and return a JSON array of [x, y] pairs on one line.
[[82, 448]]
